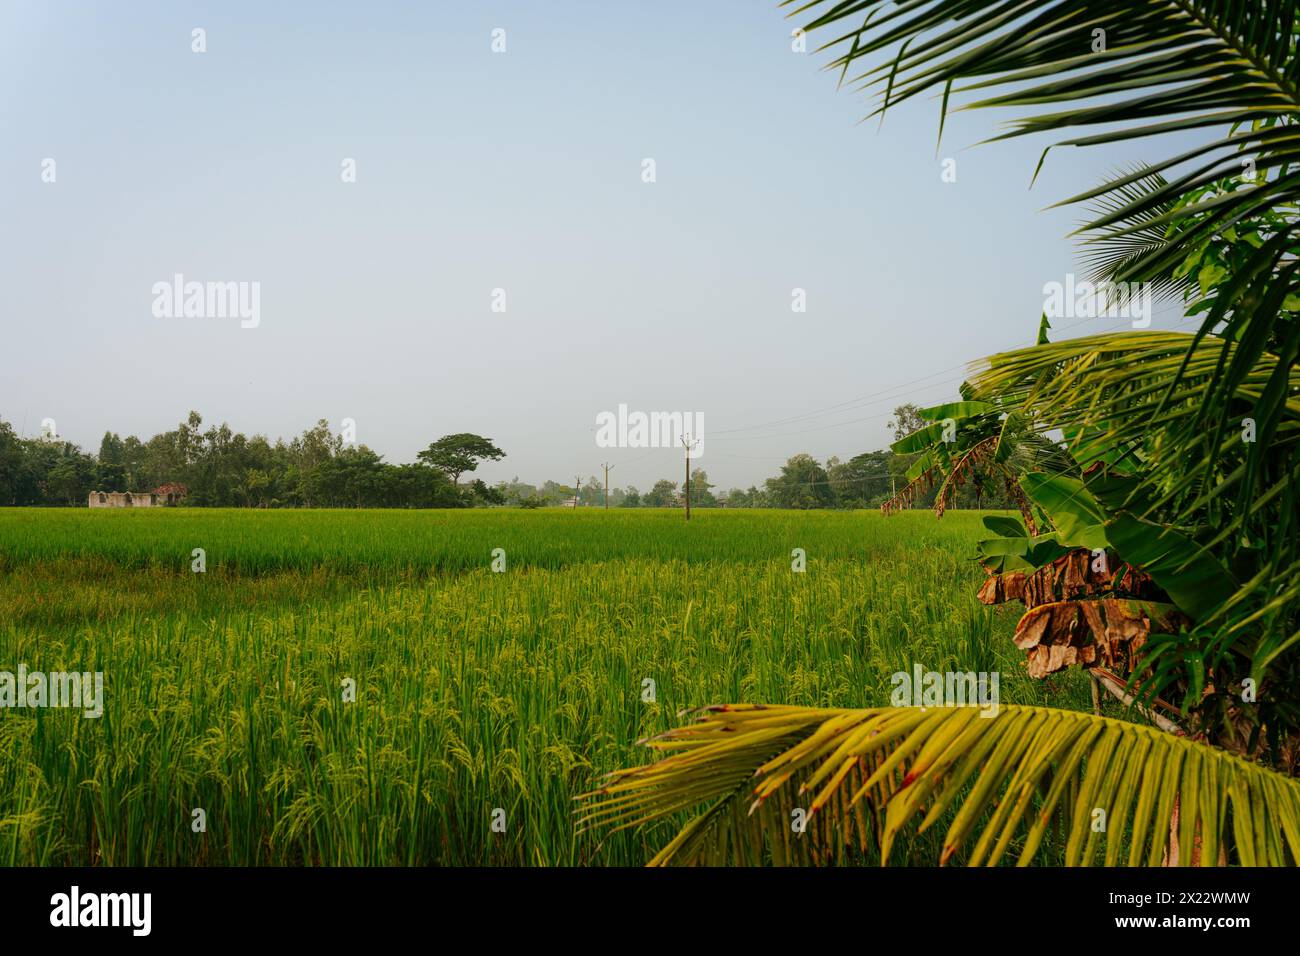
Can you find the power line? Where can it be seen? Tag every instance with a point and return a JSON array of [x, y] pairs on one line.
[[875, 397], [817, 428], [862, 400]]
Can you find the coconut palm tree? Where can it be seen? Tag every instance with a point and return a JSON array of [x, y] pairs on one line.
[[1181, 458]]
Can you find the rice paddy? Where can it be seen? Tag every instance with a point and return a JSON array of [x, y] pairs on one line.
[[483, 701]]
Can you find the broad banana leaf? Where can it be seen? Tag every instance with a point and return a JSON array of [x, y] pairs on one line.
[[1192, 577], [1023, 554], [956, 411], [1005, 527], [1079, 519]]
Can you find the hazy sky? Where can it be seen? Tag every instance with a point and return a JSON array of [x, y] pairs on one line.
[[520, 171]]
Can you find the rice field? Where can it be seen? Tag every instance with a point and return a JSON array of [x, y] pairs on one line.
[[484, 701]]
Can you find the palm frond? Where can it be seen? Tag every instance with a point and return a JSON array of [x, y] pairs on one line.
[[859, 777], [1112, 250], [1128, 377], [1188, 63], [1128, 70]]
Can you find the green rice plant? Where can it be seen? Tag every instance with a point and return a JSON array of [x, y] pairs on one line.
[[475, 691]]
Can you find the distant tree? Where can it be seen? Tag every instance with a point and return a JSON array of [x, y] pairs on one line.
[[516, 491], [702, 490], [662, 495], [733, 498], [631, 499], [907, 419], [110, 470], [803, 483], [257, 487], [862, 481], [454, 455], [592, 493], [52, 472], [133, 454], [479, 493], [746, 498], [69, 481], [316, 445], [11, 464], [554, 492], [419, 486], [361, 477]]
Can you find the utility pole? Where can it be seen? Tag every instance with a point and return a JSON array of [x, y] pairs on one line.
[[607, 468], [577, 487], [689, 446]]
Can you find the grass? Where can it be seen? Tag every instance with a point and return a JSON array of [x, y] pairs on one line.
[[475, 691]]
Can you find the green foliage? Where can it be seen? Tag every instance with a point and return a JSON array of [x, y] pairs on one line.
[[453, 455], [662, 495], [223, 468], [1191, 442], [803, 483], [861, 482], [42, 471], [1220, 539]]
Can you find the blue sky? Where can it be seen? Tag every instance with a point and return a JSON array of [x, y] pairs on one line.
[[518, 170]]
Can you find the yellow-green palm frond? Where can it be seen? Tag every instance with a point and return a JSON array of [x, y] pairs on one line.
[[1146, 401], [1134, 372], [1129, 72], [859, 777]]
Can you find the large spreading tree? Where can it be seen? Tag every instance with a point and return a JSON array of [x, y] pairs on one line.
[[454, 455]]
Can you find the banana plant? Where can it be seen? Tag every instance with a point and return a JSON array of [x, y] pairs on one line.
[[971, 441], [1232, 567]]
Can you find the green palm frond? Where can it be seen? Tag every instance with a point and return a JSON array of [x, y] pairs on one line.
[[1129, 374], [861, 776], [1111, 250], [1146, 392], [1171, 64], [1125, 70]]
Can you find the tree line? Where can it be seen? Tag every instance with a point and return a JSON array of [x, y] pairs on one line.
[[318, 469], [865, 480], [223, 468]]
